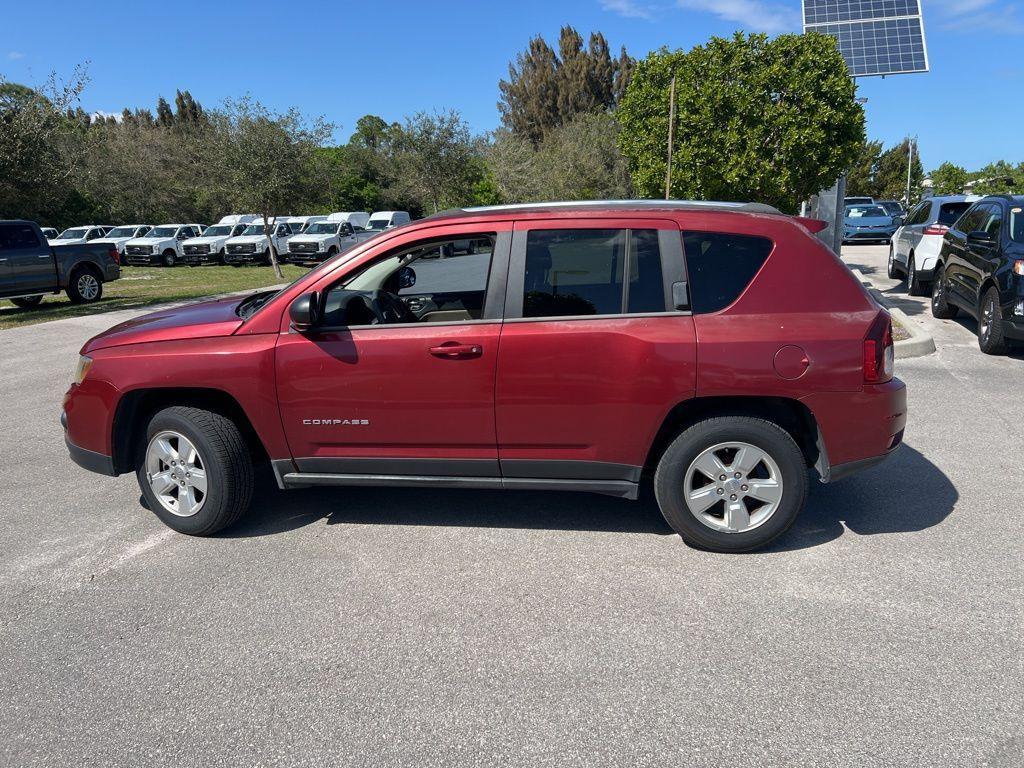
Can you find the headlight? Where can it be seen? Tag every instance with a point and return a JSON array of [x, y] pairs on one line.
[[84, 363]]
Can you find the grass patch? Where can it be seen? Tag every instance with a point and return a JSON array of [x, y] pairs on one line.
[[140, 287], [899, 333]]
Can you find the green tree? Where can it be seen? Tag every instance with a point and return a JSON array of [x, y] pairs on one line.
[[265, 160], [997, 178], [164, 114], [757, 119], [433, 156], [860, 179], [545, 89], [891, 178], [948, 179]]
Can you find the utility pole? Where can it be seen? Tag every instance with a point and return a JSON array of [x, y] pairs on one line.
[[671, 138], [910, 164]]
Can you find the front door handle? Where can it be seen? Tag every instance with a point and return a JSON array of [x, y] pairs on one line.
[[453, 350]]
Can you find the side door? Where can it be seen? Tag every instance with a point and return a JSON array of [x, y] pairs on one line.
[[910, 232], [183, 234], [955, 248], [28, 264], [398, 378], [594, 352], [982, 256]]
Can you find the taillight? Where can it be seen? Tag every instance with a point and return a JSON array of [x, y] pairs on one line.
[[879, 352], [115, 256], [935, 229]]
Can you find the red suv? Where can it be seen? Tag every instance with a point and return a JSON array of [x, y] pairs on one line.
[[717, 348]]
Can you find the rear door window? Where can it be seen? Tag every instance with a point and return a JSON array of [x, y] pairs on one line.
[[720, 266], [578, 272], [15, 237]]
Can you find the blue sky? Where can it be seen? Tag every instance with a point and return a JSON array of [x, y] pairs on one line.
[[344, 60]]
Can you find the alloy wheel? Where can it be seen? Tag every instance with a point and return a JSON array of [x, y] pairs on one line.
[[733, 487], [988, 313], [88, 286], [176, 473]]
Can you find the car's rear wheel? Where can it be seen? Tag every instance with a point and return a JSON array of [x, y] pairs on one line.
[[991, 340], [731, 484], [914, 286], [27, 302], [85, 286], [195, 470], [169, 258], [941, 308]]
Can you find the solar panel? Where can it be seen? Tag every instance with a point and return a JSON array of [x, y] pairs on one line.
[[876, 37]]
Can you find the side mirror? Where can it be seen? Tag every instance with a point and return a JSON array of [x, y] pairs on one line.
[[980, 237], [305, 312]]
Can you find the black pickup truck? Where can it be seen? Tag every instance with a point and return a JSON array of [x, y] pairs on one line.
[[31, 267]]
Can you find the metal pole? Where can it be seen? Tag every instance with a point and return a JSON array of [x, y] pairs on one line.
[[671, 138], [910, 163]]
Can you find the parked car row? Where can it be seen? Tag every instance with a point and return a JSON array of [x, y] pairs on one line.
[[236, 239], [968, 252]]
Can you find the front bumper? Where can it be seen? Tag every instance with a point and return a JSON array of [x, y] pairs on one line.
[[140, 259], [867, 235], [83, 457]]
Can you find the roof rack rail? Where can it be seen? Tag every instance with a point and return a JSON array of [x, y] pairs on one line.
[[621, 204]]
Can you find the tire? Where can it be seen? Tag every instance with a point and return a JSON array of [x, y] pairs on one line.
[[941, 308], [991, 339], [85, 286], [169, 258], [221, 454], [27, 302], [914, 285], [332, 252], [673, 479], [891, 270]]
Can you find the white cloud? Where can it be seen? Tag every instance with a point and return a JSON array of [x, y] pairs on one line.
[[99, 113], [629, 8], [977, 15], [750, 15], [15, 55]]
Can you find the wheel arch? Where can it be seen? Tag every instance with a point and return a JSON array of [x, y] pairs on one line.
[[790, 414], [136, 408]]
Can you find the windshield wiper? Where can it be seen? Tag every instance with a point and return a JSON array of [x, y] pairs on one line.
[[248, 306]]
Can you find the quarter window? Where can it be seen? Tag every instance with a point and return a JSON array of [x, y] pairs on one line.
[[720, 266], [572, 272]]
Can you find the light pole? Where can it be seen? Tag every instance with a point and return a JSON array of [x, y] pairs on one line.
[[910, 164]]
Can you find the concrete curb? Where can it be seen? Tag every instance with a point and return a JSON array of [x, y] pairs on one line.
[[920, 342]]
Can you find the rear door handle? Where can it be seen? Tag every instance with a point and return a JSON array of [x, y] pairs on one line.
[[453, 350]]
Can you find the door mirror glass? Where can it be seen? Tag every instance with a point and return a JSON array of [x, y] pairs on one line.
[[406, 277], [305, 312]]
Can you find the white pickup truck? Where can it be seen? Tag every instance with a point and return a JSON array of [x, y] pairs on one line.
[[321, 241], [210, 246], [119, 236], [161, 245], [78, 235], [253, 246]]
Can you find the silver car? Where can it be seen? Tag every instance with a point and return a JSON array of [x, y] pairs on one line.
[[915, 247]]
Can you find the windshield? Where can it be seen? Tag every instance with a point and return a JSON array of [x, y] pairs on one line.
[[865, 211], [254, 229], [122, 232], [377, 224], [161, 232], [217, 229], [322, 228], [71, 234]]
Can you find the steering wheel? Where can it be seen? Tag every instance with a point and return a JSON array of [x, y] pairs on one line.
[[388, 308]]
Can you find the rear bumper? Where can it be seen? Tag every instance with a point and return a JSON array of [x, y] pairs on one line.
[[113, 272], [858, 430]]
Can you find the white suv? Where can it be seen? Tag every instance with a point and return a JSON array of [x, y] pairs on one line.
[[161, 245], [915, 246]]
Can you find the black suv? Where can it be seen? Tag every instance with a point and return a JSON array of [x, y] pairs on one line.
[[981, 270]]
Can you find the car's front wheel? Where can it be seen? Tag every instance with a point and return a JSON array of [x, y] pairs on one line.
[[991, 339], [169, 258], [731, 484], [27, 302], [195, 470]]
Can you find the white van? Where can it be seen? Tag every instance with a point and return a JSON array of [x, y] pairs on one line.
[[299, 223], [358, 219], [239, 218], [381, 220]]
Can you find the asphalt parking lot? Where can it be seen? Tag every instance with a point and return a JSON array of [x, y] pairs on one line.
[[458, 628]]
